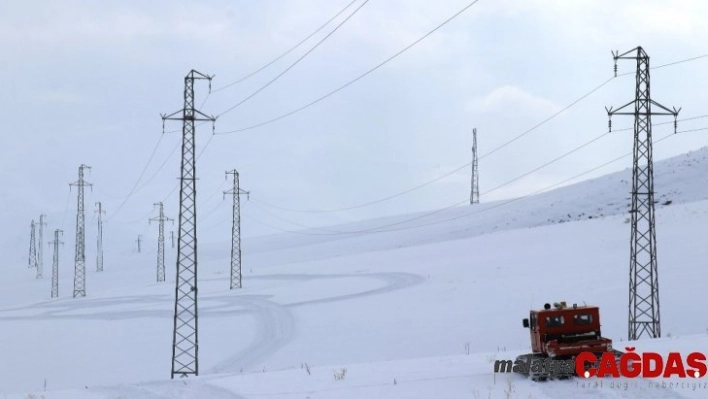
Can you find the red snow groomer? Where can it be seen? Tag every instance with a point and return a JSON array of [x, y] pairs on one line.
[[561, 333]]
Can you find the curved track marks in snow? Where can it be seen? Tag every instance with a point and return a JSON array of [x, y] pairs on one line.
[[173, 389], [160, 306], [275, 324], [275, 327]]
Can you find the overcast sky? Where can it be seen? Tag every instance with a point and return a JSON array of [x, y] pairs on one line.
[[85, 82]]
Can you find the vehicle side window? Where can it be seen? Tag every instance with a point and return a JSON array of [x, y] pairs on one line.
[[555, 321], [582, 319], [533, 320]]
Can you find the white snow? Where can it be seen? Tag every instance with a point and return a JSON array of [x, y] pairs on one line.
[[414, 313]]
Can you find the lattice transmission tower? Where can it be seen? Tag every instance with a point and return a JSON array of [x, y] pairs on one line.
[[644, 315], [80, 254], [40, 247], [161, 241], [185, 342], [236, 192], [474, 190], [55, 263], [33, 247], [99, 237]]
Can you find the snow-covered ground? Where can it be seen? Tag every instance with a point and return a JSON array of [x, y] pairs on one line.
[[412, 313]]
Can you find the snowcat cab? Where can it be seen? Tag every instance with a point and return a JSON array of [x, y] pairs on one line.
[[561, 333], [564, 331]]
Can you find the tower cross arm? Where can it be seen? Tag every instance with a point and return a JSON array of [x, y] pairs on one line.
[[174, 116], [672, 111], [617, 56], [194, 74], [615, 111], [240, 192]]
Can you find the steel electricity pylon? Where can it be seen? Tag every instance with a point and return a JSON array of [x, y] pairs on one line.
[[99, 238], [139, 241], [185, 342], [474, 189], [55, 263], [644, 315], [40, 251], [33, 247], [80, 252], [236, 192], [161, 241]]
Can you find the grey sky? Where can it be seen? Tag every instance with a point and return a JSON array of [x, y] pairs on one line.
[[85, 82]]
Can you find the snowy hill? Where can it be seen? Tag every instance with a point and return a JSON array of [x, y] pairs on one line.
[[675, 179], [407, 313]]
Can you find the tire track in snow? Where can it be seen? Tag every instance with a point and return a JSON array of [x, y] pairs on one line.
[[275, 323], [172, 389], [160, 306], [275, 327]]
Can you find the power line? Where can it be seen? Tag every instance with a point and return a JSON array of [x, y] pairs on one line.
[[367, 203], [66, 209], [386, 228], [548, 163], [132, 190], [441, 177], [534, 192], [547, 119], [285, 53], [677, 62], [176, 184], [211, 211], [294, 63], [483, 156], [295, 223], [172, 153], [485, 193], [355, 79], [198, 156], [567, 153]]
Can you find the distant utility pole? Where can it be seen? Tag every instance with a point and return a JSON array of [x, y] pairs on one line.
[[80, 257], [55, 263], [474, 191], [643, 273], [236, 231], [139, 240], [99, 238], [40, 251], [33, 248], [172, 238], [185, 342], [161, 241]]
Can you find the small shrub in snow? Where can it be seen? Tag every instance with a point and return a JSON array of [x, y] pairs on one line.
[[306, 367], [339, 375], [509, 388]]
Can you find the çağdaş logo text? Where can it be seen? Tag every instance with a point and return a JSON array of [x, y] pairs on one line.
[[630, 365]]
